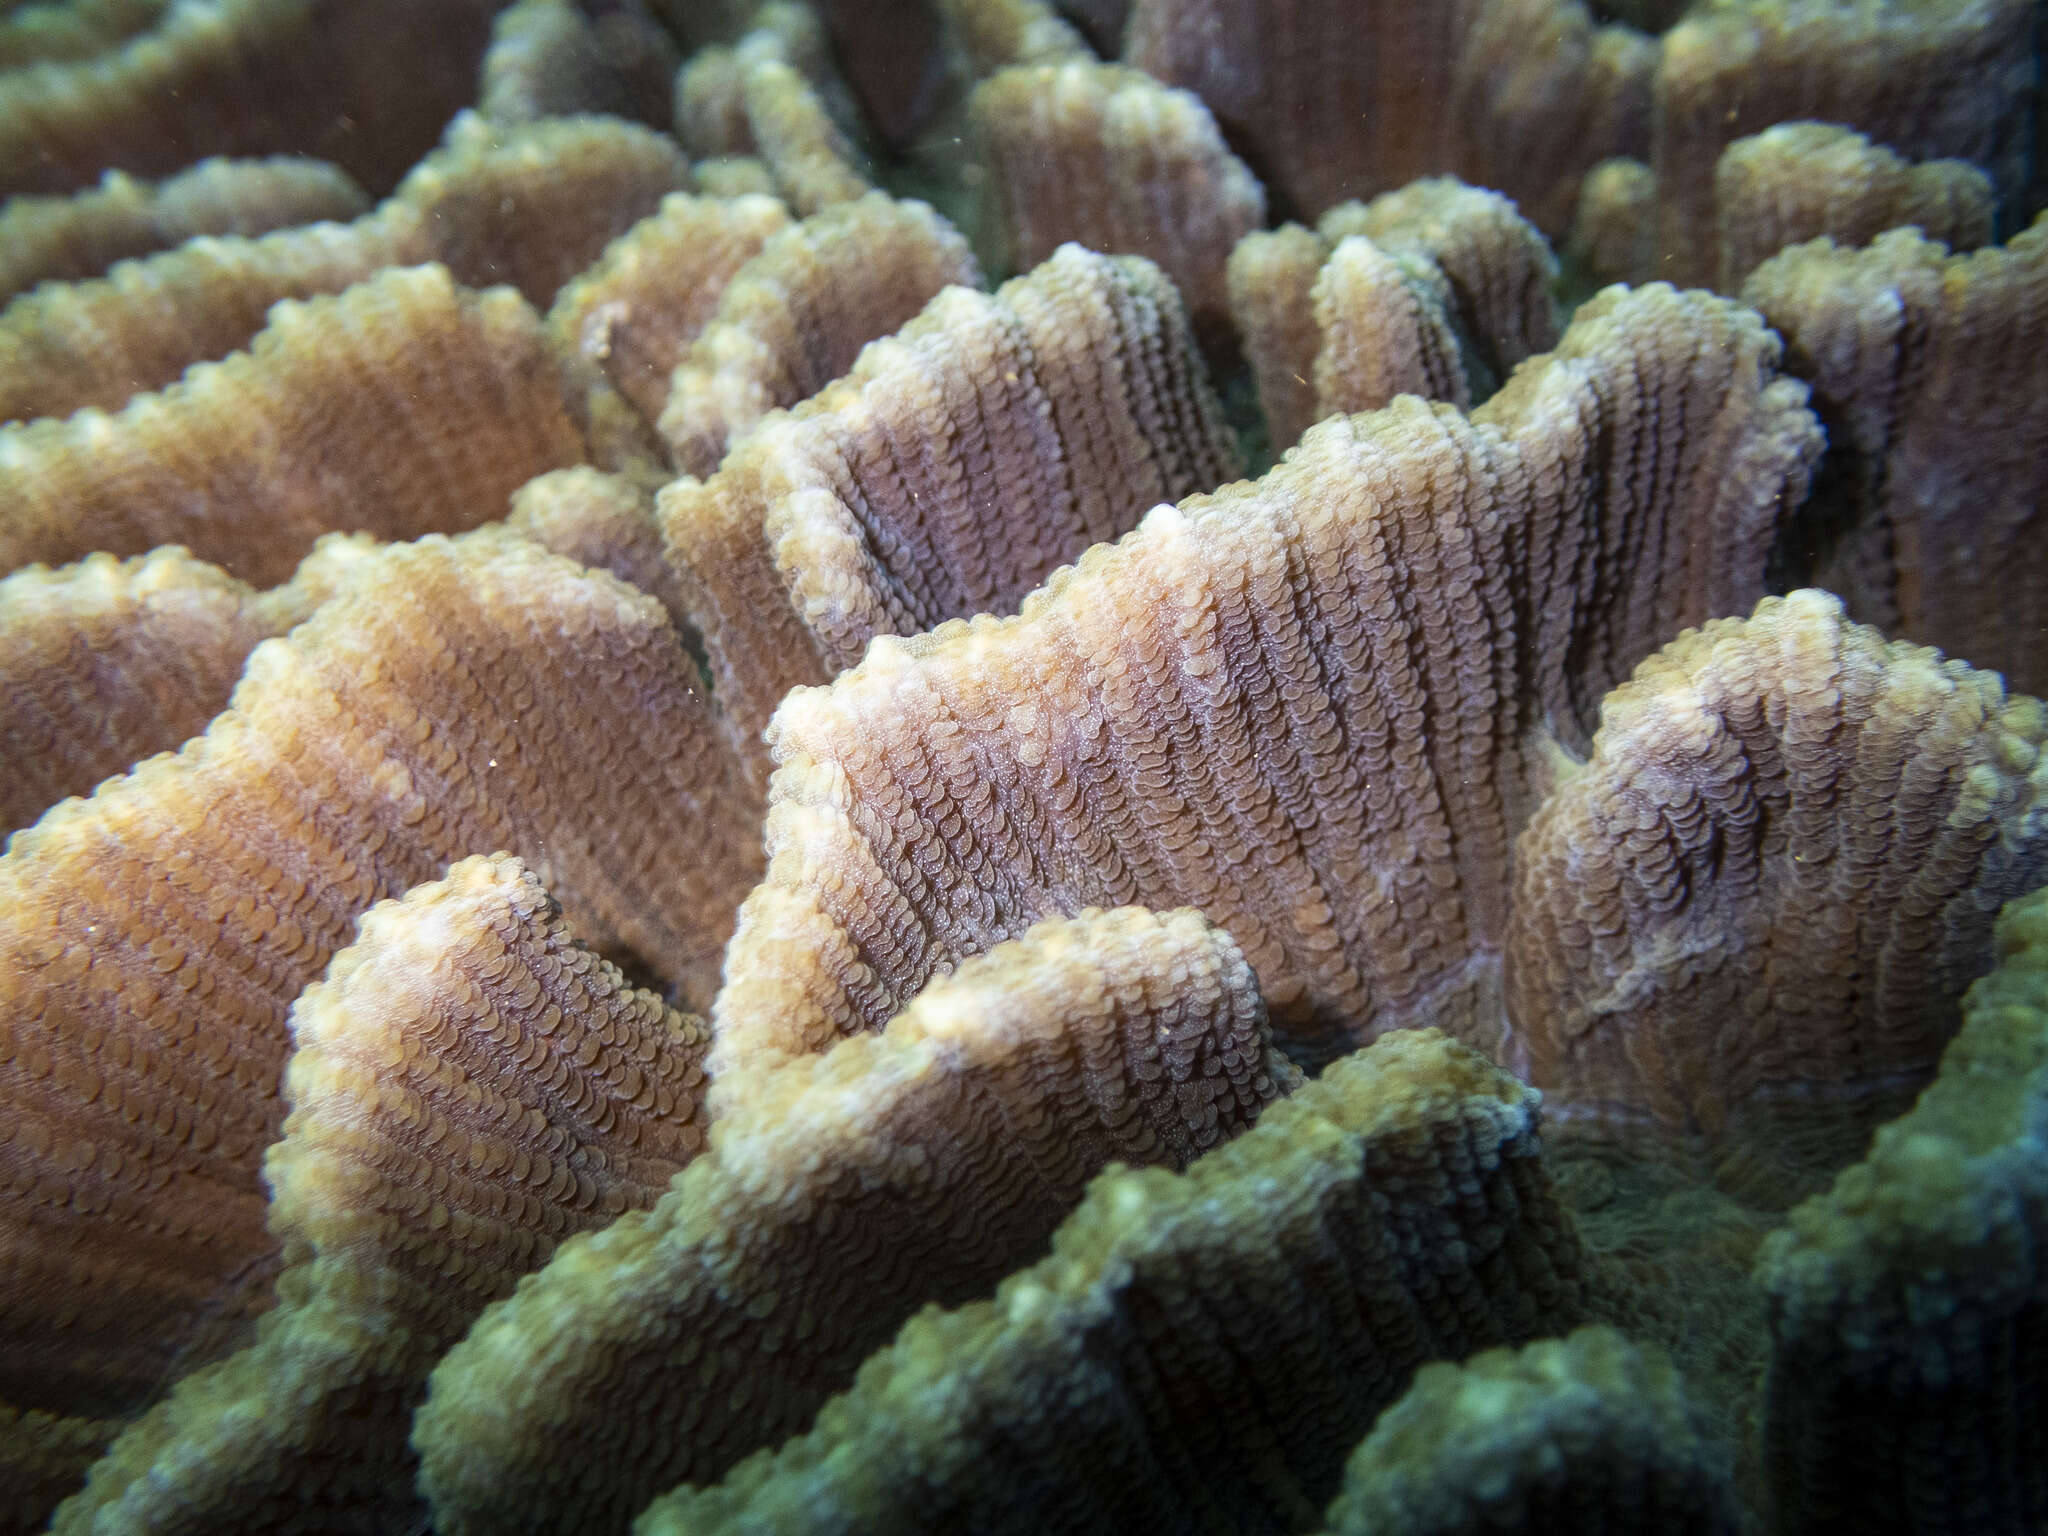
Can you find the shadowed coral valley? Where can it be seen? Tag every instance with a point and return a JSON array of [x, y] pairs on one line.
[[888, 766]]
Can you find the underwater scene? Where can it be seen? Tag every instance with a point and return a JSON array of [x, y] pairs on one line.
[[1023, 766]]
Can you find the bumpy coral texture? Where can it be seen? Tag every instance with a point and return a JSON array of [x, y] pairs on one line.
[[1587, 1433], [1439, 289], [1908, 1301], [1769, 887], [244, 77], [1929, 81], [453, 695], [469, 1087], [1300, 704], [1069, 402], [1323, 707], [606, 522], [1113, 160], [765, 99], [44, 238], [107, 662], [1337, 101], [1200, 1350], [841, 1191], [530, 205], [795, 317], [1800, 181], [630, 317], [1926, 368], [407, 405]]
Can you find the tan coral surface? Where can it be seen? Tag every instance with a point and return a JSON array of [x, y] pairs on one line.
[[795, 317], [407, 405], [841, 1191], [1066, 404], [1308, 705], [1926, 367], [1769, 887], [1907, 1300], [468, 1087], [1322, 705], [454, 695]]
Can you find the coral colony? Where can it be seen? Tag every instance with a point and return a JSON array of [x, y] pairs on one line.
[[1001, 766]]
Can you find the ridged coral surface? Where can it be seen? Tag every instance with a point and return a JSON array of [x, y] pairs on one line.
[[678, 676], [842, 1190], [469, 1087]]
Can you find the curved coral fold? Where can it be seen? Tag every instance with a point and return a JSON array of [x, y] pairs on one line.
[[107, 662], [632, 315], [404, 406], [530, 204], [1299, 705], [1542, 93], [1932, 81], [452, 696], [1908, 1302], [469, 1087], [1442, 290], [1587, 1433], [1495, 263], [1070, 401], [1110, 159], [922, 596], [45, 238], [813, 162], [841, 1191], [1337, 100], [561, 58], [1928, 370], [1769, 886], [246, 77], [1200, 1351], [1802, 181], [1613, 236], [110, 661], [763, 99], [796, 316], [1334, 101], [534, 204], [1268, 278], [606, 522], [1383, 324], [98, 342]]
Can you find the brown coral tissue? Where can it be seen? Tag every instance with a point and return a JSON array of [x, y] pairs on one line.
[[1770, 885], [870, 766], [469, 1087], [452, 694]]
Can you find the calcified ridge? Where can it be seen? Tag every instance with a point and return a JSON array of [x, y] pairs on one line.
[[676, 839]]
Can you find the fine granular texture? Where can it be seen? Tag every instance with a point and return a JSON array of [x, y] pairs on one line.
[[841, 1191], [469, 1087], [1201, 1350], [1907, 1302], [405, 406], [452, 695]]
